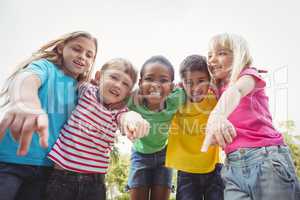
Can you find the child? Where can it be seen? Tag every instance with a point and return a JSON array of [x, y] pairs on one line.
[[258, 164], [198, 175], [50, 84], [41, 92], [81, 153], [149, 178]]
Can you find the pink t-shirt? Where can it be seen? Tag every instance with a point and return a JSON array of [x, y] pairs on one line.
[[252, 118]]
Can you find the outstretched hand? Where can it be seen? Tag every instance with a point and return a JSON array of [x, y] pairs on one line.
[[134, 126], [22, 124], [219, 131]]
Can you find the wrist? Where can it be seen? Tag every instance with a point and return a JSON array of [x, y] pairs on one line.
[[28, 107], [120, 118]]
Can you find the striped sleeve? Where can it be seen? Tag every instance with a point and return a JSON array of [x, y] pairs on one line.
[[118, 115]]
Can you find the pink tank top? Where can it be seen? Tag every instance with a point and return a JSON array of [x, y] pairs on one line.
[[252, 118]]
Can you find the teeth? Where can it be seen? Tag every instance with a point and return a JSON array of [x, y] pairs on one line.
[[217, 69], [114, 92], [78, 63], [196, 95], [155, 93]]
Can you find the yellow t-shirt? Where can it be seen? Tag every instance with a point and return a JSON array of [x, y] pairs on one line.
[[186, 136]]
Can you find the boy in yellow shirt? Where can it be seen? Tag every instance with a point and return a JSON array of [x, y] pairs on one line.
[[198, 175]]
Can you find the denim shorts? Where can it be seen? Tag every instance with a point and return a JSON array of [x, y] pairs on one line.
[[23, 182], [147, 170], [266, 173], [194, 186], [67, 185]]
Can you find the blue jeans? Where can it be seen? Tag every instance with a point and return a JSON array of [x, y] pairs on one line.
[[67, 185], [265, 173], [23, 182], [147, 170], [191, 186]]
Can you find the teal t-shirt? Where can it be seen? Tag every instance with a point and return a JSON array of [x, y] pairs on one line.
[[58, 96], [156, 140]]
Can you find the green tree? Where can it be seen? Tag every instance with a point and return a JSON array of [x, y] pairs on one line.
[[116, 178]]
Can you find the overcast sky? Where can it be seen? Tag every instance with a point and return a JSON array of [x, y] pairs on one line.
[[137, 29]]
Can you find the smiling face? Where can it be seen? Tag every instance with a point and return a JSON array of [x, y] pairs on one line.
[[78, 56], [155, 84], [115, 86], [219, 63], [196, 85]]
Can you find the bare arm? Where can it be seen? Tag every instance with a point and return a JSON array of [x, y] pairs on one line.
[[230, 99], [218, 127]]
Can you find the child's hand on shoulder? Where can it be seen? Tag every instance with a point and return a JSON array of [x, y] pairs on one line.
[[96, 79], [133, 125]]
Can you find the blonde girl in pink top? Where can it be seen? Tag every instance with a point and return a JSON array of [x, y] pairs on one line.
[[258, 164]]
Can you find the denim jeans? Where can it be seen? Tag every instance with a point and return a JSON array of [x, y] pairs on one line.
[[265, 173], [67, 185], [147, 170], [191, 186], [23, 182]]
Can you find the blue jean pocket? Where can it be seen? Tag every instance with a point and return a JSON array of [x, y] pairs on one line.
[[280, 166], [282, 171]]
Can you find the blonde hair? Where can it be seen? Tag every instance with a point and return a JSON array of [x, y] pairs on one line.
[[50, 52], [240, 51], [122, 65]]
